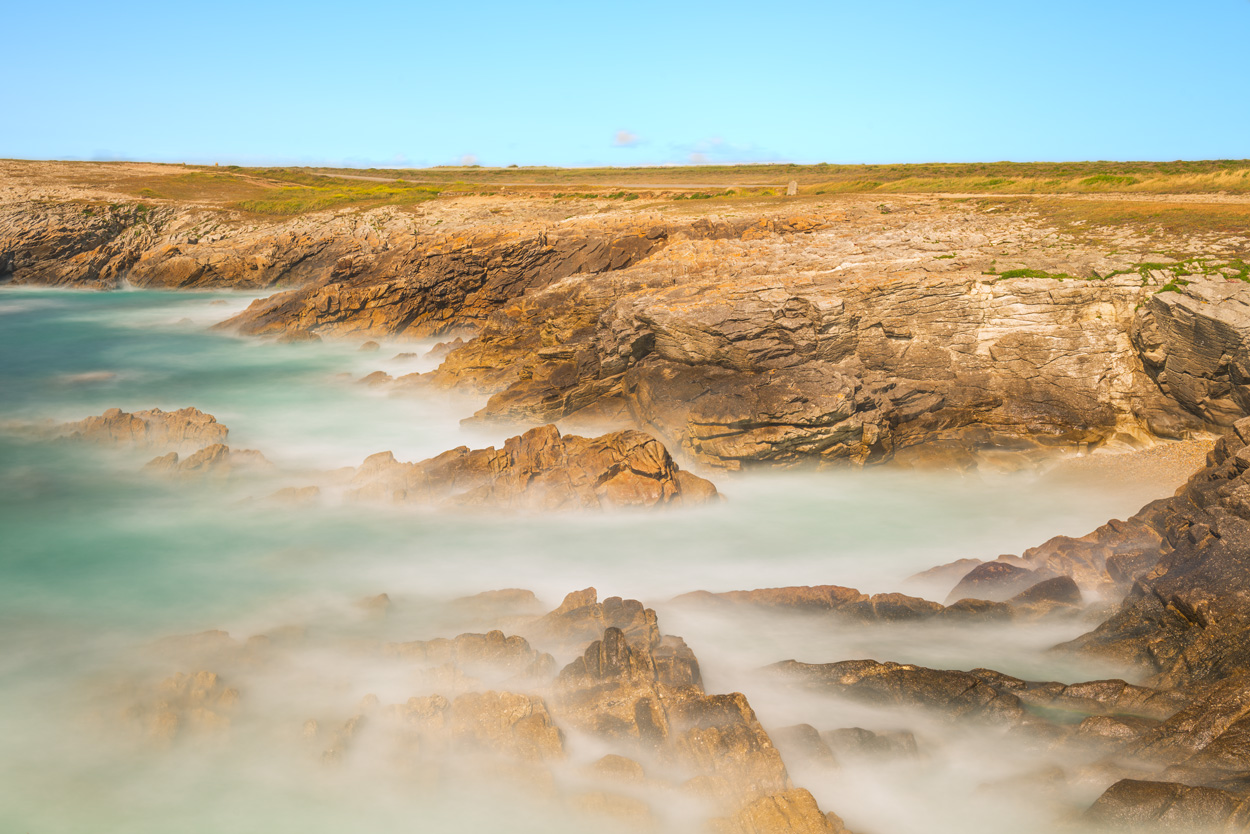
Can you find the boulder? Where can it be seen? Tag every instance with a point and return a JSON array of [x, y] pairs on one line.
[[540, 470], [1136, 805], [994, 581], [185, 430]]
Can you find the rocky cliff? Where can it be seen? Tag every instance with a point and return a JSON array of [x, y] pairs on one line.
[[850, 333]]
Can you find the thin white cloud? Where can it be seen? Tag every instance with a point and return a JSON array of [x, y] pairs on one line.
[[625, 139]]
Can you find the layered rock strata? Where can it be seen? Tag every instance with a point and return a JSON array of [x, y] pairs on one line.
[[540, 469]]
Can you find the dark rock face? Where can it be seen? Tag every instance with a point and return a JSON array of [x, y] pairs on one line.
[[540, 470], [814, 370], [994, 581], [951, 693], [852, 742], [1195, 345], [1134, 805], [1186, 620], [434, 285]]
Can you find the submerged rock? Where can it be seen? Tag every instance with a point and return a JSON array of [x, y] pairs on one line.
[[217, 460]]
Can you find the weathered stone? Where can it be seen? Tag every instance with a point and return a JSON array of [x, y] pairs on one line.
[[185, 430], [994, 581], [785, 812], [217, 460], [1134, 805], [794, 598], [951, 693], [539, 470], [494, 650]]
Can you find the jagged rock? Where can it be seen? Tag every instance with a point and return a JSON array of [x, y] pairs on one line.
[[994, 581], [612, 691], [951, 693], [581, 618], [1104, 697], [1135, 805], [540, 470], [788, 416], [977, 611], [1186, 621], [796, 598], [817, 599], [184, 430], [440, 283], [803, 742], [853, 742], [785, 812], [516, 724], [891, 608], [1194, 344], [1057, 596], [217, 460], [490, 605], [937, 582], [1114, 730], [512, 655], [184, 703], [719, 737], [507, 723]]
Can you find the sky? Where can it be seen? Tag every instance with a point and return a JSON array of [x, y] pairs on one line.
[[415, 84]]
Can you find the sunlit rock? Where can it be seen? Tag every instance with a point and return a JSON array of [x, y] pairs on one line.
[[185, 430], [539, 470]]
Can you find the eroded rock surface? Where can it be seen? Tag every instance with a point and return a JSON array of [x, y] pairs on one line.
[[184, 430], [540, 469]]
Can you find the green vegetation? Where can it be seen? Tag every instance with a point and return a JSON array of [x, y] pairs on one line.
[[1017, 177], [1231, 269], [1173, 286], [1162, 216], [1032, 273], [1038, 186], [1110, 179]]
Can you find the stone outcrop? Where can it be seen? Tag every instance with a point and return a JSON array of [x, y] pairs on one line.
[[184, 430], [950, 693], [1195, 344], [636, 692], [184, 704], [431, 285], [828, 369], [1186, 620], [841, 336], [509, 654], [1045, 598], [503, 723], [540, 470], [217, 460], [1143, 806]]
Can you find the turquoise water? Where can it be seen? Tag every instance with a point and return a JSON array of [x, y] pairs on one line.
[[98, 560]]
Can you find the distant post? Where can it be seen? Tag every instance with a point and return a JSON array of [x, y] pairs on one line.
[[792, 189]]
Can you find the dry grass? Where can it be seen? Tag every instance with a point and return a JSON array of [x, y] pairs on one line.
[[1159, 217]]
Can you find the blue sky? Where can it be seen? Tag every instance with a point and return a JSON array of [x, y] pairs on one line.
[[553, 83]]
